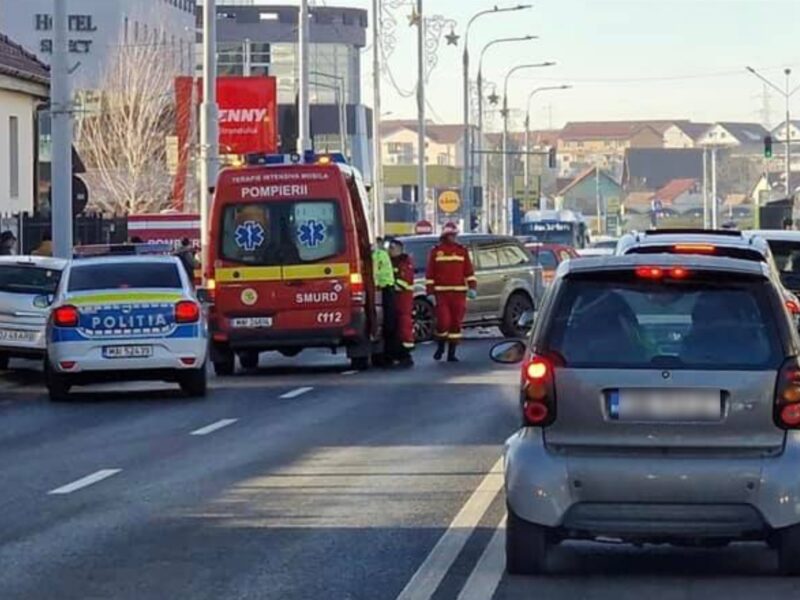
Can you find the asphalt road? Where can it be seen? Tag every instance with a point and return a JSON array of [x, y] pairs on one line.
[[303, 480]]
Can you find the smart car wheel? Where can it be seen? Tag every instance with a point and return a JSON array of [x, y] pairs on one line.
[[789, 550], [424, 320], [526, 546], [518, 304]]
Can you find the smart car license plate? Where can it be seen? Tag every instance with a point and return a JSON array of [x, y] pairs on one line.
[[654, 405], [127, 351], [251, 322], [12, 335]]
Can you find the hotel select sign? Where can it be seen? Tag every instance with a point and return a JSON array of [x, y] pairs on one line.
[[77, 23]]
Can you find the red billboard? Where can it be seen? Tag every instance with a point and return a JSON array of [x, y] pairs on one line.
[[248, 119]]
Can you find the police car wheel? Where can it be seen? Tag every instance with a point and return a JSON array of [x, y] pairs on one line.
[[57, 387], [249, 360], [4, 362], [194, 383]]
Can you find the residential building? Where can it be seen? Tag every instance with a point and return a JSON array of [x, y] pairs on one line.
[[779, 133], [262, 40], [444, 144], [24, 85], [680, 194], [684, 134], [98, 28], [603, 143], [771, 186], [742, 137], [650, 169], [584, 192]]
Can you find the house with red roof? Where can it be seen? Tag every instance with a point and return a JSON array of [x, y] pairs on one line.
[[24, 85], [680, 194]]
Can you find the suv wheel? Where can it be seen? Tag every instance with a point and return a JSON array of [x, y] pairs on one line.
[[518, 304], [789, 550], [526, 546], [249, 360], [424, 319]]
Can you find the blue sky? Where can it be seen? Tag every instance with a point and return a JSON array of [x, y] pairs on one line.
[[625, 58]]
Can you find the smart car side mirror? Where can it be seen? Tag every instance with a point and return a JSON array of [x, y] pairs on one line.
[[43, 301], [508, 352], [526, 320]]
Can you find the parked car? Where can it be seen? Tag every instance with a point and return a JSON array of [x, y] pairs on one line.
[[549, 256], [659, 403], [603, 245], [27, 285], [785, 248], [510, 282]]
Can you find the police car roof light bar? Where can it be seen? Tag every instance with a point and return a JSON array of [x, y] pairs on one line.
[[309, 157]]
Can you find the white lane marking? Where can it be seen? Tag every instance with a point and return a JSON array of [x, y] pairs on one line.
[[488, 572], [349, 372], [85, 481], [211, 428], [430, 574], [298, 392]]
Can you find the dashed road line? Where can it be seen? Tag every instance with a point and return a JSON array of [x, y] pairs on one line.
[[212, 427], [349, 372], [83, 482], [430, 574], [295, 393], [484, 579]]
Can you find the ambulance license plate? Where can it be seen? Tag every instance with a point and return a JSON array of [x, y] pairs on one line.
[[127, 351], [251, 322]]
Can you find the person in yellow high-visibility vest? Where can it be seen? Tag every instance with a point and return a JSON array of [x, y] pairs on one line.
[[384, 281]]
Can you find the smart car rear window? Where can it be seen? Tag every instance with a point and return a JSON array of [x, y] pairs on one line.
[[116, 276], [607, 322]]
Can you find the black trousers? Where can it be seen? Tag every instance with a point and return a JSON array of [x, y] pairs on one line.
[[390, 329]]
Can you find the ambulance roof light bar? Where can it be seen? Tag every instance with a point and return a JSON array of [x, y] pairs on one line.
[[309, 157]]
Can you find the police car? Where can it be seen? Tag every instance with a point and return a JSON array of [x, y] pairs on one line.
[[126, 318]]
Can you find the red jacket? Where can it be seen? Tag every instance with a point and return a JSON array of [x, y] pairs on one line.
[[449, 269], [403, 273]]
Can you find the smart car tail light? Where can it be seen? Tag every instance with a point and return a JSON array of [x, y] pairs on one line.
[[539, 397], [66, 316], [787, 396], [187, 311]]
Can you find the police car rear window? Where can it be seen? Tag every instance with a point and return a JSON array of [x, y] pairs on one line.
[[281, 233], [18, 279], [120, 276]]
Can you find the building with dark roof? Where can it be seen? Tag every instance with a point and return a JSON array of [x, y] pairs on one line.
[[24, 85], [743, 136], [650, 169]]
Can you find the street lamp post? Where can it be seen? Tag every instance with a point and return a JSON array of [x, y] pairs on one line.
[[528, 133], [466, 195], [484, 200], [787, 94], [504, 211]]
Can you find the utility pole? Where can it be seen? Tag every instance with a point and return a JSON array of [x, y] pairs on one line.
[[377, 154], [714, 215], [789, 191], [209, 143], [705, 188], [422, 184], [61, 122], [303, 116], [598, 200]]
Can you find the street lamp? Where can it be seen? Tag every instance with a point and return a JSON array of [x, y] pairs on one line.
[[466, 183], [528, 132], [504, 225], [786, 95], [525, 38]]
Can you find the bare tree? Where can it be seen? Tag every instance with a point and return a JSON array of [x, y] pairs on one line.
[[124, 144]]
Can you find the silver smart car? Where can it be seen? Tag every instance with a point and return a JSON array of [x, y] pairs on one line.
[[661, 404]]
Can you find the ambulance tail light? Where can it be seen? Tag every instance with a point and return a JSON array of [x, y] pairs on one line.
[[66, 316], [357, 289], [187, 311]]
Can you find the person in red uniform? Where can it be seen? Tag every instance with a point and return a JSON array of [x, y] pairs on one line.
[[450, 280], [403, 342]]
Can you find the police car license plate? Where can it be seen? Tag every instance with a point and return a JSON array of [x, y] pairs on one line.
[[11, 335], [251, 322], [127, 351]]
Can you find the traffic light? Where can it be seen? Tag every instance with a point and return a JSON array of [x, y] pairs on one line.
[[551, 157], [767, 146]]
